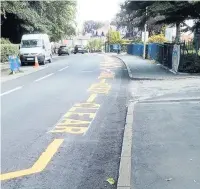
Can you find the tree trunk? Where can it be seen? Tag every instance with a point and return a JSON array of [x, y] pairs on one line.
[[178, 33]]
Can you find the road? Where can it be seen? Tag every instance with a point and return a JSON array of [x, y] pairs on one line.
[[62, 127]]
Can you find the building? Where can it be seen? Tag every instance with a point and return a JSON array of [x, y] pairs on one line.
[[170, 32]]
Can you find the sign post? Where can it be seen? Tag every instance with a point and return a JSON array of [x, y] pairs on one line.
[[175, 58], [197, 38]]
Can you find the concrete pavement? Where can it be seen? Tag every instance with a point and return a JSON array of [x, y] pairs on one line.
[[139, 68], [62, 127], [166, 143], [164, 119]]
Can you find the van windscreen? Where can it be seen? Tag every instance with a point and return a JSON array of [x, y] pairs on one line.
[[31, 43]]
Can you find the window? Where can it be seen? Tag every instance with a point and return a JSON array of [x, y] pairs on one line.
[[31, 43]]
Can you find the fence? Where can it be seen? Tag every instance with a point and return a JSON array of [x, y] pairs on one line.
[[135, 49], [155, 52], [162, 53], [190, 57]]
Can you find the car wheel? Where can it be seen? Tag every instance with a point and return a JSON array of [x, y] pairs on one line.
[[50, 60]]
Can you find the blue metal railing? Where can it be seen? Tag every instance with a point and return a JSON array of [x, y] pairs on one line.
[[135, 49], [161, 53]]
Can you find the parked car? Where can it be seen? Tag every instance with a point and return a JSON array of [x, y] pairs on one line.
[[63, 50], [79, 49], [35, 45]]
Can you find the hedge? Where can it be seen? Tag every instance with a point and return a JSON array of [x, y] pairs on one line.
[[8, 49], [160, 38], [190, 64], [4, 41]]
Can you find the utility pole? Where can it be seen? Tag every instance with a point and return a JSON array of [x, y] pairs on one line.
[[109, 38], [145, 31]]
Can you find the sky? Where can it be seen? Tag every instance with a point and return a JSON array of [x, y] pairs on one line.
[[100, 10]]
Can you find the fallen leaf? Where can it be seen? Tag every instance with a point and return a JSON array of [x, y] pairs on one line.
[[111, 181]]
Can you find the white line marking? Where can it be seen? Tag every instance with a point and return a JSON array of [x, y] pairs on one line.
[[43, 77], [88, 71], [10, 91], [63, 68]]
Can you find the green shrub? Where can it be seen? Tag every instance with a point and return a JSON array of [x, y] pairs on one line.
[[190, 64], [136, 41], [5, 41], [160, 38], [8, 49]]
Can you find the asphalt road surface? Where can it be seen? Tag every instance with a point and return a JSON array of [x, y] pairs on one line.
[[62, 127]]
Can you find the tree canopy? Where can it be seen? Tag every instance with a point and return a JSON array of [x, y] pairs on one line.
[[134, 14], [57, 18], [113, 37], [95, 44], [90, 26]]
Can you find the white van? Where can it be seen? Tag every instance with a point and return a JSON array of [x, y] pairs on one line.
[[33, 45]]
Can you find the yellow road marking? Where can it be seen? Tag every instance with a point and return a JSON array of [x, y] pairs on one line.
[[90, 115], [72, 130], [103, 81], [87, 105], [101, 87], [39, 165], [106, 75], [71, 122], [91, 98]]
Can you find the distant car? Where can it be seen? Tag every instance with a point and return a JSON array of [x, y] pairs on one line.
[[79, 49], [63, 50]]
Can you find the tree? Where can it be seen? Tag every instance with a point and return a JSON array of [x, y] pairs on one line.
[[163, 12], [95, 44], [129, 22], [57, 18], [62, 23], [113, 37], [90, 26]]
